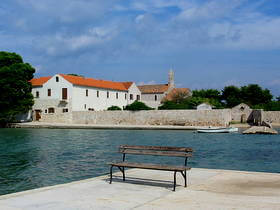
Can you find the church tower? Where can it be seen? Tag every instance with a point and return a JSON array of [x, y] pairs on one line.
[[171, 82]]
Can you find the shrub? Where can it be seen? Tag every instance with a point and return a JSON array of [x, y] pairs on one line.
[[136, 106], [114, 108], [172, 105]]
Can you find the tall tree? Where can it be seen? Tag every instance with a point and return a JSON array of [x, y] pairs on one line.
[[15, 88], [231, 95], [208, 93], [253, 94]]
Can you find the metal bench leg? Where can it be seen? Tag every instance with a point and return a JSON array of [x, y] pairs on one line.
[[174, 181], [122, 170], [185, 177], [111, 174], [123, 174]]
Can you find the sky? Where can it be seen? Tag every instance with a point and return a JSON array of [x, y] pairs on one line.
[[208, 43]]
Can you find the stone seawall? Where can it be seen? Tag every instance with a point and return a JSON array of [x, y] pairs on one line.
[[220, 117], [271, 116]]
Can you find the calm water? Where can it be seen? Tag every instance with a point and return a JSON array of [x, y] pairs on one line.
[[32, 158]]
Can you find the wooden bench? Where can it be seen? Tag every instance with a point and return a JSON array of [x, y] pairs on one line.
[[184, 152]]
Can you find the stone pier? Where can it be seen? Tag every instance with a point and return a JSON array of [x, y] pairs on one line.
[[147, 189]]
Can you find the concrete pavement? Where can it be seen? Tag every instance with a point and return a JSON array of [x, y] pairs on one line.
[[148, 189]]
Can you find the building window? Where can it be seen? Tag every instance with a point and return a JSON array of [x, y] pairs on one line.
[[138, 97], [107, 94], [57, 79], [64, 110], [117, 95], [155, 97], [97, 94], [131, 96], [64, 93], [37, 94], [86, 92], [125, 96], [49, 92], [51, 110], [46, 111], [85, 106]]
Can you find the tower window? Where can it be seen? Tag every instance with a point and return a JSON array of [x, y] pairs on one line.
[[117, 95], [131, 96], [86, 92], [155, 97], [57, 79], [97, 94], [107, 94]]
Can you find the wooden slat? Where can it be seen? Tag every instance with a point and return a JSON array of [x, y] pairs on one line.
[[157, 153], [150, 166], [178, 149]]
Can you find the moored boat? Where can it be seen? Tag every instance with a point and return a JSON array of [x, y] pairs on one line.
[[218, 130]]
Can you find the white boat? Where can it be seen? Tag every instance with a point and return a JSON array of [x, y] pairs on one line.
[[218, 130]]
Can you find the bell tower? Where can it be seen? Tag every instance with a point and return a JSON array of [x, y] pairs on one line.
[[171, 82]]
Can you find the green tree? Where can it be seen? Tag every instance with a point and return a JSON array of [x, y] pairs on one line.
[[114, 108], [253, 94], [136, 106], [208, 93], [232, 96], [173, 105], [15, 88]]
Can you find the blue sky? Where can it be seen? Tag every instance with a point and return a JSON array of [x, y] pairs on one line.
[[209, 44]]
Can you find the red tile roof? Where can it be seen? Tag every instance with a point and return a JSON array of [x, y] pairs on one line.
[[39, 81], [127, 84], [149, 89], [89, 82]]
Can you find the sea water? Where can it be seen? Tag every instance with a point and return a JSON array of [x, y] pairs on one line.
[[33, 158]]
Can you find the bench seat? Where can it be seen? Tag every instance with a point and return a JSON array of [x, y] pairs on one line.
[[150, 166]]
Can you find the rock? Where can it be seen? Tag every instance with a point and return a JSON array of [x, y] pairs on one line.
[[260, 130], [267, 124]]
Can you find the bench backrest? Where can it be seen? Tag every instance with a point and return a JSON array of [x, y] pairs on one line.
[[156, 150]]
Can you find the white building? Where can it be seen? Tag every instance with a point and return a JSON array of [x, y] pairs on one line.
[[204, 106], [152, 95], [65, 93]]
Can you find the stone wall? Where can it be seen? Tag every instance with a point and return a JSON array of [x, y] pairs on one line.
[[220, 117], [271, 116], [57, 117], [241, 113]]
